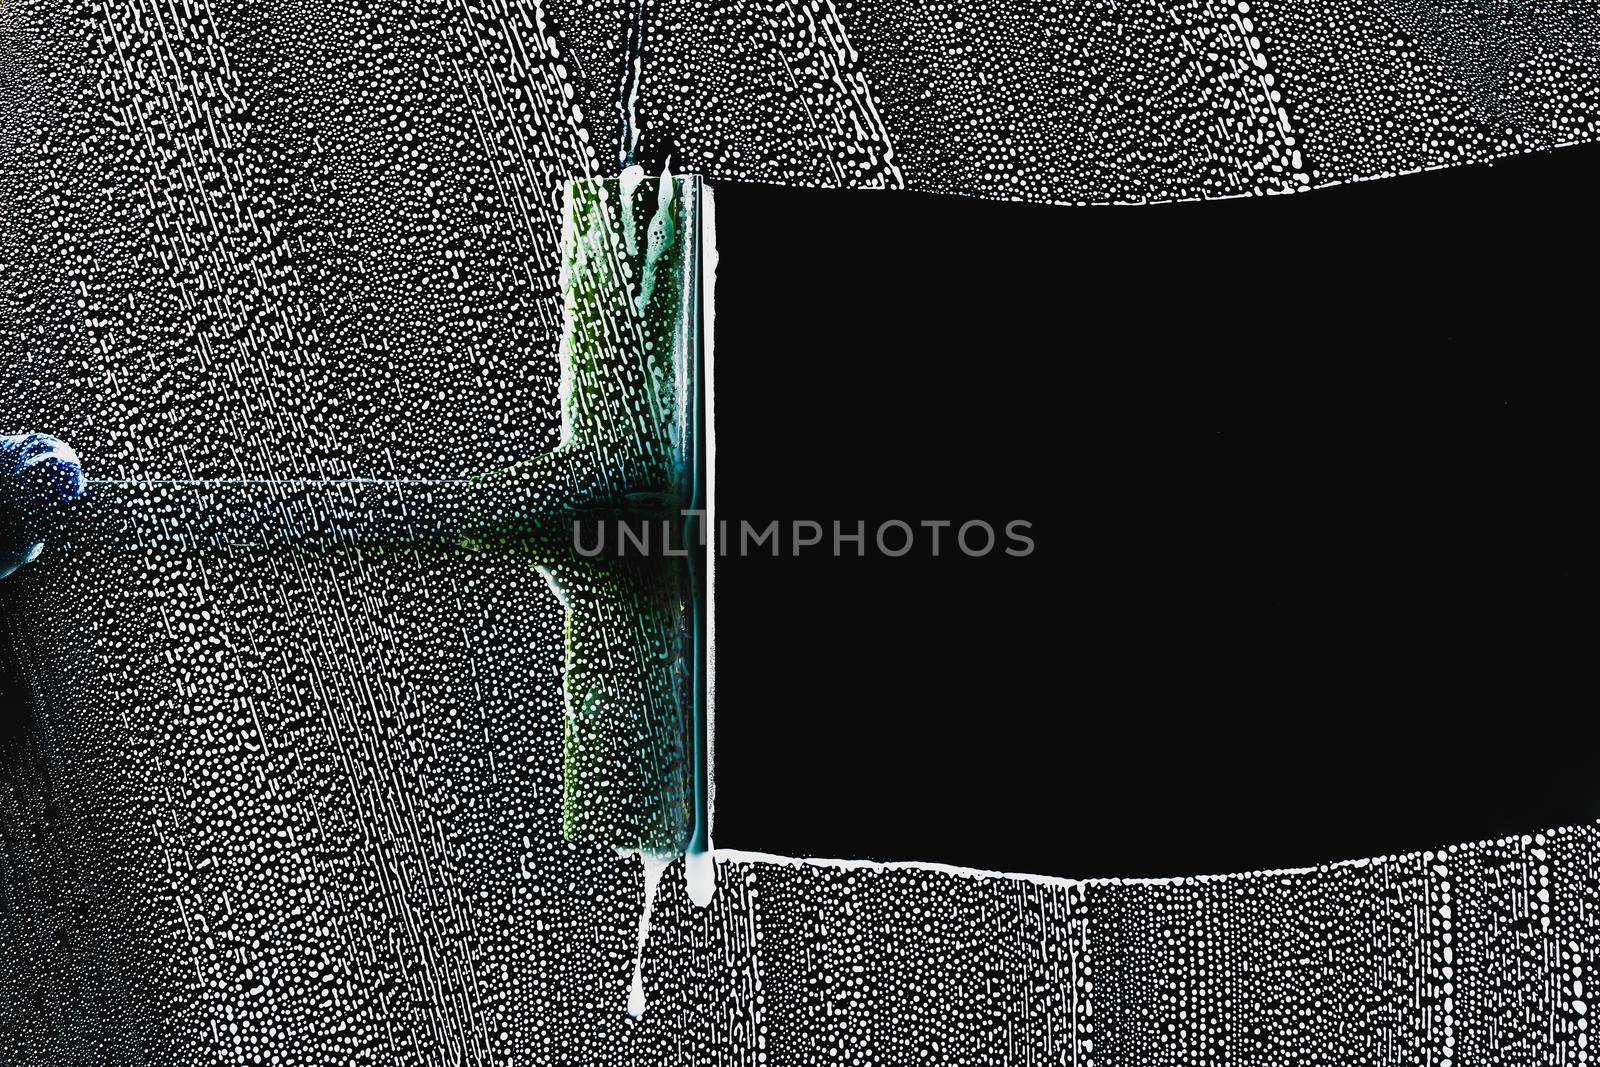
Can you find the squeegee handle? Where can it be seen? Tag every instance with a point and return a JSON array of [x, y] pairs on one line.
[[312, 513]]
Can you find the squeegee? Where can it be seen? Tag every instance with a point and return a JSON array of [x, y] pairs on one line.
[[632, 449]]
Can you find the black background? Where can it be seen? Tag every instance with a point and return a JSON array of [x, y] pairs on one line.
[[1305, 475]]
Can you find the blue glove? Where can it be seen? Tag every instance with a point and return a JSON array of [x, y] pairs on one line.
[[40, 476]]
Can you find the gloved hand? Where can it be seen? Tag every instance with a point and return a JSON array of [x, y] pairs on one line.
[[40, 476]]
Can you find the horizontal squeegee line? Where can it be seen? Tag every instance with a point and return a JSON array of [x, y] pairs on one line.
[[275, 481], [194, 514]]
